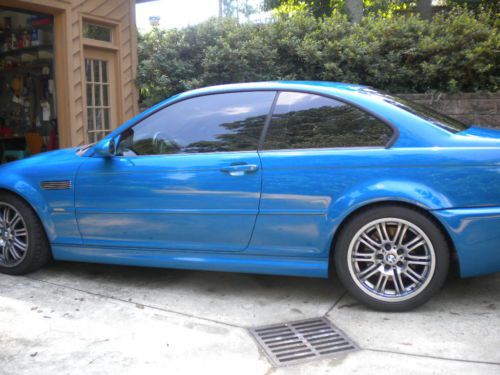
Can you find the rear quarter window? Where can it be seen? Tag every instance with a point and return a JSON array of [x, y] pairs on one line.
[[303, 120]]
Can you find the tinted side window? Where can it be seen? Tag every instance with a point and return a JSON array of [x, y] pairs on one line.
[[211, 123], [311, 121]]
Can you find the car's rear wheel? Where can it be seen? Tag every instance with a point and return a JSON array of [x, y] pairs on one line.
[[23, 243], [392, 258]]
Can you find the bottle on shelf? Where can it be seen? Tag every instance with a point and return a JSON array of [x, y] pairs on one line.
[[6, 42], [34, 37], [20, 40], [26, 39], [13, 40]]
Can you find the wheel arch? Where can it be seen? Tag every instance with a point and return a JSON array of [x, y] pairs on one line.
[[455, 265], [39, 208]]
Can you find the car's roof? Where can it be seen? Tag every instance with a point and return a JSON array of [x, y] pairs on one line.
[[335, 87]]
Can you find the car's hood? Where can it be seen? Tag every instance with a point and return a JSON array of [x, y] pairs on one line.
[[478, 131], [46, 160]]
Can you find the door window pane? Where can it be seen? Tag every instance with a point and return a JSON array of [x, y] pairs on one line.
[[98, 106], [90, 96], [97, 68], [88, 73], [211, 123], [311, 121]]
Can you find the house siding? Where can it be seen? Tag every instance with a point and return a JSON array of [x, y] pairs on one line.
[[120, 12]]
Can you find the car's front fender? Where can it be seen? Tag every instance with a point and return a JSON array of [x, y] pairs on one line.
[[55, 208], [19, 185]]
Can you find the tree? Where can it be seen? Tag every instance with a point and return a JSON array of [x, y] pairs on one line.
[[424, 8], [236, 8], [355, 9], [317, 7]]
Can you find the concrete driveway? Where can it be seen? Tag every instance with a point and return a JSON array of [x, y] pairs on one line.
[[99, 319]]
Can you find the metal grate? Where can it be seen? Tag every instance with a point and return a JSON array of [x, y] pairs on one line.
[[56, 185], [300, 341]]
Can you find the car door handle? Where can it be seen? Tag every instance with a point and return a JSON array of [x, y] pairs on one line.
[[237, 169]]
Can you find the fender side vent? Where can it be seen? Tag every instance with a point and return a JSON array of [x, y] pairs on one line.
[[301, 341], [56, 185]]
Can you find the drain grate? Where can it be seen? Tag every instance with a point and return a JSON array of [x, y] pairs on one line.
[[300, 341]]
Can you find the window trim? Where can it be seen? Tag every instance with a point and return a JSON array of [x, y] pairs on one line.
[[263, 135], [103, 22]]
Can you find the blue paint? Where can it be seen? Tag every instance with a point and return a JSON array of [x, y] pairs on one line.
[[195, 260], [475, 234], [188, 211], [182, 202]]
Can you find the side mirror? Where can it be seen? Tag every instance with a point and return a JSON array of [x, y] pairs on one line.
[[106, 148]]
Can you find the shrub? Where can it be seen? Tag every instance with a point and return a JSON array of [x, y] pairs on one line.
[[456, 51]]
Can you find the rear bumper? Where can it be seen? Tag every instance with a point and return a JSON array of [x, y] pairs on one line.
[[475, 233]]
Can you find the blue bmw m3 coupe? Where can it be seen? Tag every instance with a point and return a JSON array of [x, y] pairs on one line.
[[285, 178]]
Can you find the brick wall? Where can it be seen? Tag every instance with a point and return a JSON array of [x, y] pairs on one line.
[[474, 108]]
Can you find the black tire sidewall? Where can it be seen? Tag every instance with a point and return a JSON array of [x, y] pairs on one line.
[[424, 222]]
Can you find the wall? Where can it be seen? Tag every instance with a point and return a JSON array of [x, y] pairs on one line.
[[123, 13], [471, 108]]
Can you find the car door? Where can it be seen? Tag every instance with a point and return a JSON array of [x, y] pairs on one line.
[[316, 150], [188, 177]]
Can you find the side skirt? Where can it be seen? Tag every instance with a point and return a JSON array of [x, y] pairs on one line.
[[290, 266]]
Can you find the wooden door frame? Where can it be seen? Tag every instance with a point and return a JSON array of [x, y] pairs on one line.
[[65, 107], [105, 47], [111, 56]]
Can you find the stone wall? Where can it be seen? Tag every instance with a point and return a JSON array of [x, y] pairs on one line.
[[470, 108]]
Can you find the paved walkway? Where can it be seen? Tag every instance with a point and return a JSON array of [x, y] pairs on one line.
[[98, 319]]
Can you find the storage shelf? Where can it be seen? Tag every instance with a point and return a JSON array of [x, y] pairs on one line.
[[29, 50]]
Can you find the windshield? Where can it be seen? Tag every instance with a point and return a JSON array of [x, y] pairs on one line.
[[438, 119]]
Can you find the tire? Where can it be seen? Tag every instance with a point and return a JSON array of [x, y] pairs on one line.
[[34, 240], [387, 268]]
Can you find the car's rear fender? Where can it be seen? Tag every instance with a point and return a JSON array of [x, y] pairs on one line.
[[404, 192]]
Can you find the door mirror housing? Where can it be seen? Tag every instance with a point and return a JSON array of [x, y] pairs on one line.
[[106, 148]]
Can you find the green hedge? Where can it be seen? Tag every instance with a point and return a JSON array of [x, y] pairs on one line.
[[456, 51]]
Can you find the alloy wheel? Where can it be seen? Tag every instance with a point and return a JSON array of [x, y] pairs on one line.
[[13, 236], [391, 259]]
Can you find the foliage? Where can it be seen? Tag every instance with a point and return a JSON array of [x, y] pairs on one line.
[[386, 7], [455, 51], [316, 7]]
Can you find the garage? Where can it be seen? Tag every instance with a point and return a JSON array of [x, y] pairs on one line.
[[67, 73], [28, 117]]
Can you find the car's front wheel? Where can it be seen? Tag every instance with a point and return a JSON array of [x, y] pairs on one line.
[[23, 243], [392, 258]]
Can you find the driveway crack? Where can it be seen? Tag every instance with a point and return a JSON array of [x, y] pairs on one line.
[[135, 303], [431, 356], [335, 304]]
